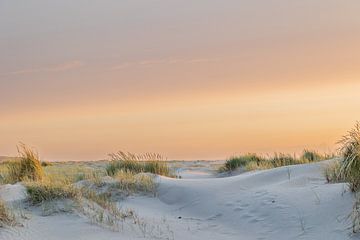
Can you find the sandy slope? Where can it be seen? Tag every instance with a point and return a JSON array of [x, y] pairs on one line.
[[255, 205]]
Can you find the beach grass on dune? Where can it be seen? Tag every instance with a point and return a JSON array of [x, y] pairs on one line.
[[236, 162], [333, 174], [6, 217], [26, 167], [4, 172], [129, 182], [71, 172], [43, 191], [350, 150], [347, 169], [98, 207], [137, 163], [313, 156], [126, 183], [253, 161]]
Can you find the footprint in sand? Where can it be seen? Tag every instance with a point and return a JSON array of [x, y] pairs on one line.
[[244, 205], [253, 211], [261, 193], [215, 216], [255, 220], [238, 209], [246, 216], [264, 215], [260, 238]]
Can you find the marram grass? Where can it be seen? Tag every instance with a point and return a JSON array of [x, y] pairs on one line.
[[350, 151], [252, 161], [26, 167], [137, 163], [43, 191], [6, 217], [129, 182]]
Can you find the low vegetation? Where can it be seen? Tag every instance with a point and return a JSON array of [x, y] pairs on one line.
[[252, 161], [50, 182], [39, 192], [71, 172], [138, 163], [355, 215], [3, 171], [236, 162], [6, 217], [26, 167], [130, 183], [350, 151], [313, 156], [347, 170], [333, 174], [97, 206]]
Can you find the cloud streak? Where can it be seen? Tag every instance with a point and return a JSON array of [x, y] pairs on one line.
[[165, 61], [62, 67]]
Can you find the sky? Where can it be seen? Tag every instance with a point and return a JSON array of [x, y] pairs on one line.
[[202, 79]]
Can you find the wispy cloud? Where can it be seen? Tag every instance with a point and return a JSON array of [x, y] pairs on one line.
[[165, 61], [66, 66]]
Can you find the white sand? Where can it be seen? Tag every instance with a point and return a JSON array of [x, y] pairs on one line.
[[254, 205]]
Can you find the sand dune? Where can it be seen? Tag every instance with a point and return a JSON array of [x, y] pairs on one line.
[[283, 203]]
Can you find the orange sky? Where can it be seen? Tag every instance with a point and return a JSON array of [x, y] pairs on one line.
[[190, 80]]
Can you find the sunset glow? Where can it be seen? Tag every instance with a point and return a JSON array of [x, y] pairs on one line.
[[166, 76]]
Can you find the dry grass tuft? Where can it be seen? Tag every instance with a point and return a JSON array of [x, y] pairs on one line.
[[70, 172], [348, 170], [98, 207], [137, 163], [252, 161], [313, 156], [26, 167], [350, 150], [40, 192], [333, 174], [6, 217], [236, 162], [134, 183]]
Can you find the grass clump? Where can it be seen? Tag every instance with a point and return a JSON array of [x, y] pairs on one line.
[[40, 192], [236, 162], [348, 170], [333, 174], [255, 162], [281, 159], [46, 164], [4, 172], [131, 183], [277, 160], [311, 156], [350, 151], [6, 217], [138, 163], [98, 207], [26, 167], [71, 172]]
